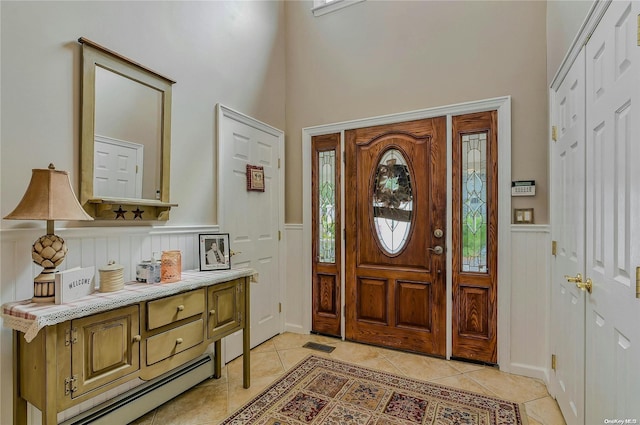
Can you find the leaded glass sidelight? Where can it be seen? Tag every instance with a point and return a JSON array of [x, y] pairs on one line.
[[327, 206], [392, 201], [474, 202]]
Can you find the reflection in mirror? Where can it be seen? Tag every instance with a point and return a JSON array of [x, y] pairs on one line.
[[126, 132], [128, 118]]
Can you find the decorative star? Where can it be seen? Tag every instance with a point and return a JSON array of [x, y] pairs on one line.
[[137, 213], [120, 213]]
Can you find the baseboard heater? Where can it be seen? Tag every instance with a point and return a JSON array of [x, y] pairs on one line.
[[136, 402]]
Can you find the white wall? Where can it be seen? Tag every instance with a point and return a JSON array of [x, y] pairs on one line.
[[530, 300], [383, 57], [217, 51], [227, 52], [564, 19]]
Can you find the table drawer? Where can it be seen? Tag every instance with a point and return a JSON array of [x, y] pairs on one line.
[[176, 307], [166, 344]]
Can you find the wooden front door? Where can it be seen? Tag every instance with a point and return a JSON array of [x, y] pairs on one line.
[[395, 221]]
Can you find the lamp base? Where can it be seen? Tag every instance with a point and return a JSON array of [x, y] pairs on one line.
[[48, 252], [44, 286]]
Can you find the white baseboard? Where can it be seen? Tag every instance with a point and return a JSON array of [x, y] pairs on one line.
[[530, 371]]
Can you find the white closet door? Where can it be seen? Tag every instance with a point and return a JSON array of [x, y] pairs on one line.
[[567, 157], [252, 219], [612, 369]]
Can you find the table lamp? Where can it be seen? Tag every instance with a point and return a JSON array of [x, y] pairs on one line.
[[48, 197]]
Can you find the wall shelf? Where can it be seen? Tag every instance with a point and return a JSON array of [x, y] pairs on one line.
[[127, 209]]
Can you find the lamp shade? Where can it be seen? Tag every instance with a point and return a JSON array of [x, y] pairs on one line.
[[49, 197]]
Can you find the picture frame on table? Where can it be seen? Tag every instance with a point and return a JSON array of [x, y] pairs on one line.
[[214, 251]]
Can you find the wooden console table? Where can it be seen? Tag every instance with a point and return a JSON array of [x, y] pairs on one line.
[[66, 354]]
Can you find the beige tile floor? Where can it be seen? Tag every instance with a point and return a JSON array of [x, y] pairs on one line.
[[213, 400]]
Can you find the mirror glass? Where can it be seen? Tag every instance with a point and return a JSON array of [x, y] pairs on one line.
[[126, 126], [128, 131]]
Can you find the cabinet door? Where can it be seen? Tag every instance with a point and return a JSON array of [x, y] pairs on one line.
[[226, 309], [106, 349]]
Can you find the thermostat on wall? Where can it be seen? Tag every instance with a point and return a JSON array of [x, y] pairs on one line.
[[523, 188]]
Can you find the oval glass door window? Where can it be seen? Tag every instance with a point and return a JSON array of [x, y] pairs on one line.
[[392, 201]]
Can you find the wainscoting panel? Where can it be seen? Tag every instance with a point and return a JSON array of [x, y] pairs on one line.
[[297, 298], [88, 246], [530, 298]]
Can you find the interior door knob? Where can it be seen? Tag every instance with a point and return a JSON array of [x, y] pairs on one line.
[[576, 279], [584, 285]]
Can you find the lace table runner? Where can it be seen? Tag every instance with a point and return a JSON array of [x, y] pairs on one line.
[[29, 317]]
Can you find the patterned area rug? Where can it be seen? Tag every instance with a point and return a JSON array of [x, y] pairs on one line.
[[329, 392]]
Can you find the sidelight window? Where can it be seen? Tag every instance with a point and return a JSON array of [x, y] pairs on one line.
[[474, 202], [327, 206]]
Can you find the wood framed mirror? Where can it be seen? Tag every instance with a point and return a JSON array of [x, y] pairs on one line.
[[125, 138]]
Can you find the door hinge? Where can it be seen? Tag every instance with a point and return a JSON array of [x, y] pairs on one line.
[[638, 30], [278, 162], [279, 307], [279, 235], [553, 362], [637, 282], [554, 133], [344, 235], [70, 384], [554, 248], [70, 336]]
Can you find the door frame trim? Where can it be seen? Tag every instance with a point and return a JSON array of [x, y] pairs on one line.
[[503, 106], [222, 112]]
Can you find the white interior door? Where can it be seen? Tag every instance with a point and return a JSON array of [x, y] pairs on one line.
[[252, 219], [117, 168], [568, 223], [612, 371]]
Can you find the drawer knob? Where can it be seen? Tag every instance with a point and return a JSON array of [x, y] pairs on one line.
[[180, 307], [137, 338], [212, 313], [179, 341]]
